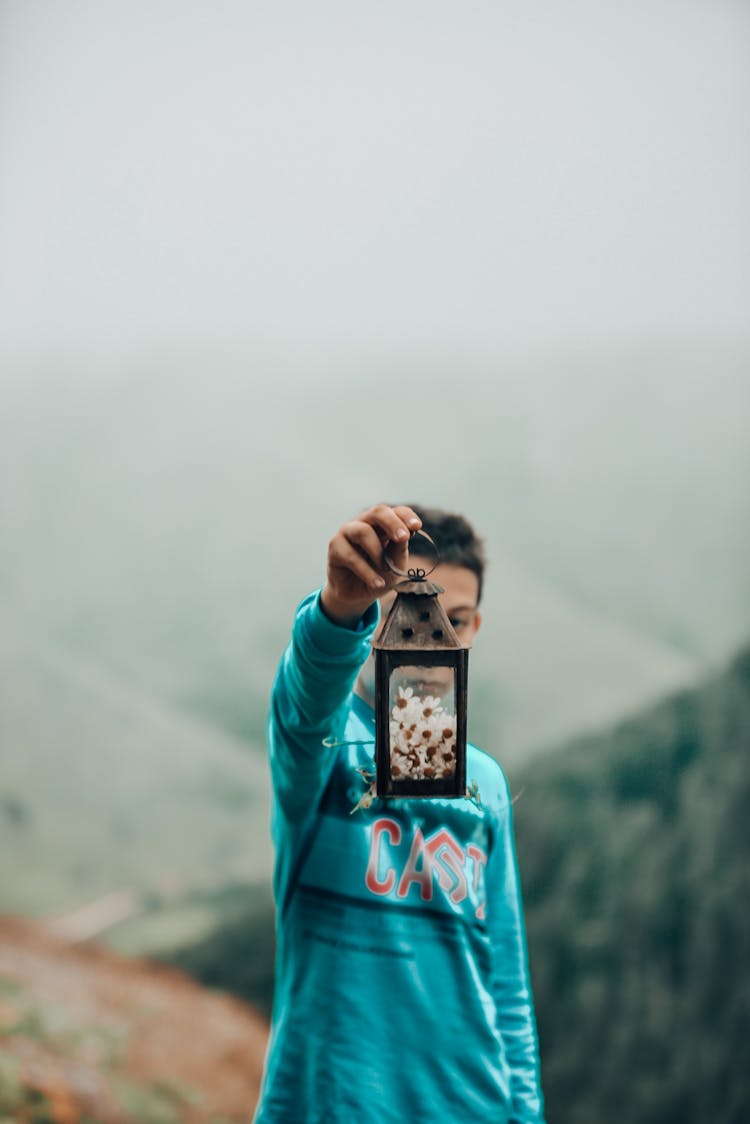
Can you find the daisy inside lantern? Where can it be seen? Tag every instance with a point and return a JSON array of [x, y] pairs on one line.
[[420, 696]]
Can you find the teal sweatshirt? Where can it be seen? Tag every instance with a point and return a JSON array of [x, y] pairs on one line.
[[402, 985]]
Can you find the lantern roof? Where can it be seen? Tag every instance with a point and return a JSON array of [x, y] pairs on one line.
[[417, 620]]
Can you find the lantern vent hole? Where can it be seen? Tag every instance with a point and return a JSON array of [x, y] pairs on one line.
[[407, 632], [437, 634], [424, 616]]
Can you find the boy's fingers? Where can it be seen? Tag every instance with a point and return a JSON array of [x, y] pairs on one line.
[[409, 517], [358, 546], [348, 556], [364, 536], [394, 524]]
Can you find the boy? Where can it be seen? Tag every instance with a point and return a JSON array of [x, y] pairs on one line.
[[402, 989]]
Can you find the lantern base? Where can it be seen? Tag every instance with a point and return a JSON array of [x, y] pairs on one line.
[[451, 787]]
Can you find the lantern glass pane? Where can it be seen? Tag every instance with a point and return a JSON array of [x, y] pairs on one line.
[[422, 722]]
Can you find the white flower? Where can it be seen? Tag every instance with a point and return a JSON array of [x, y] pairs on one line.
[[423, 737]]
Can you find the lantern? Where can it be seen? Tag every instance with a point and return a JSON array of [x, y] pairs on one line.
[[420, 695]]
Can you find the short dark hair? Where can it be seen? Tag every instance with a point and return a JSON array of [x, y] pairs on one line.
[[455, 538]]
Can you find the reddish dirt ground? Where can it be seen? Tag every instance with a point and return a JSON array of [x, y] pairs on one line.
[[90, 1037]]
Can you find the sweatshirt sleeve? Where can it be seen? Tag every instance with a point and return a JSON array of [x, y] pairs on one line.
[[511, 981], [309, 701]]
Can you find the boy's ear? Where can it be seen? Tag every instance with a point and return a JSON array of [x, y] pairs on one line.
[[477, 621]]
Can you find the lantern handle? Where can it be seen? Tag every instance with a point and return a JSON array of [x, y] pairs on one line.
[[416, 573]]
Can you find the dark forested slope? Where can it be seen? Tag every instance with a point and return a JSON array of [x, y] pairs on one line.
[[633, 847]]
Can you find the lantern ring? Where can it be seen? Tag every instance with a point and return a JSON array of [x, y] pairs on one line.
[[416, 573]]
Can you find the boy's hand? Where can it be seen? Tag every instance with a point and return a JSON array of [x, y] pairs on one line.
[[356, 574]]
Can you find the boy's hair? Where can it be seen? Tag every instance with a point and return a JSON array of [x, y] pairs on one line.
[[455, 538]]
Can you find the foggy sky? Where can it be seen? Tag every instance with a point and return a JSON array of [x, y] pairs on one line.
[[418, 175]]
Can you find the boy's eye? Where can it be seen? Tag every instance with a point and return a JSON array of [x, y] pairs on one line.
[[458, 623]]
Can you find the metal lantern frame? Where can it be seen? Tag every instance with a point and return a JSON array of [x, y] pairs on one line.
[[417, 632]]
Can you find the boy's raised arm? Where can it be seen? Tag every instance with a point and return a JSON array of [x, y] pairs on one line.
[[329, 644]]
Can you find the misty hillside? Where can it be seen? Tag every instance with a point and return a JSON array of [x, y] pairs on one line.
[[633, 847], [105, 789], [161, 522]]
